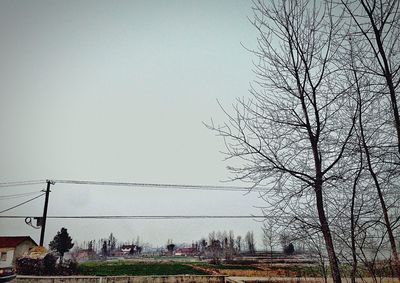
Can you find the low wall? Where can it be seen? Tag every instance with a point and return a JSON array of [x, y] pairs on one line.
[[121, 279]]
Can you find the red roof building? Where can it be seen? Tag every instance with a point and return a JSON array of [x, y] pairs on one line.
[[12, 248], [185, 251], [13, 242]]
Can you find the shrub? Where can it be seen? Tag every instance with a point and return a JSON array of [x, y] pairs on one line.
[[49, 264], [29, 266], [289, 249], [67, 267], [45, 266]]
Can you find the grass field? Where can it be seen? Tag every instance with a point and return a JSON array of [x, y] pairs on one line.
[[144, 268], [148, 268], [136, 268], [227, 266]]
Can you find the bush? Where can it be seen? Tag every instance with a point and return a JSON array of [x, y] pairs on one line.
[[67, 267], [289, 249], [49, 264], [29, 266], [45, 266]]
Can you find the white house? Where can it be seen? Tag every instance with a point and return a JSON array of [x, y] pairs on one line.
[[12, 248]]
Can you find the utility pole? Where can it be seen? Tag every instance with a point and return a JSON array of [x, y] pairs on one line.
[[46, 202]]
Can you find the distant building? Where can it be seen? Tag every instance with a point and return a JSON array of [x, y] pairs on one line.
[[130, 250], [186, 251], [12, 248]]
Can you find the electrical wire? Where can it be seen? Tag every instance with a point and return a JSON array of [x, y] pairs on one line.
[[159, 185], [249, 189], [164, 217], [146, 217], [132, 184], [21, 183], [13, 196], [148, 185], [22, 203]]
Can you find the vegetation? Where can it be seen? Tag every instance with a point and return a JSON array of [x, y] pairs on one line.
[[61, 243], [45, 266], [228, 266], [170, 246], [136, 268], [320, 131]]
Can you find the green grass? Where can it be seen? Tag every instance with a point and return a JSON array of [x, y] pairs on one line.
[[136, 269], [228, 266]]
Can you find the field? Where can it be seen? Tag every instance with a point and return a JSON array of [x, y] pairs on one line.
[[171, 267], [260, 270], [114, 268], [255, 267]]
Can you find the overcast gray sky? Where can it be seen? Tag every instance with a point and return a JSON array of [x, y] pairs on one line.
[[118, 91]]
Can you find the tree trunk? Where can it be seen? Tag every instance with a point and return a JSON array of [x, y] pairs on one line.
[[327, 235], [383, 205], [393, 100], [353, 237], [390, 233]]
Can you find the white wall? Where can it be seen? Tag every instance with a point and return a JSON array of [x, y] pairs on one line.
[[9, 258]]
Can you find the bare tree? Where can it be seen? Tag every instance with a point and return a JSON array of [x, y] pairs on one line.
[[269, 236], [230, 245], [112, 243], [314, 244], [293, 133], [376, 38], [377, 22], [238, 244], [250, 243], [104, 249]]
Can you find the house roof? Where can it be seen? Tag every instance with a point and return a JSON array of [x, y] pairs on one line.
[[185, 250], [12, 242]]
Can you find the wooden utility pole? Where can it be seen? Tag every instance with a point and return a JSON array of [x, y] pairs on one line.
[[46, 202]]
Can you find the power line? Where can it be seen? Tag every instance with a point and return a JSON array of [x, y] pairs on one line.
[[116, 217], [144, 217], [159, 185], [149, 185], [21, 183], [135, 184], [22, 203], [13, 196]]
